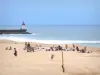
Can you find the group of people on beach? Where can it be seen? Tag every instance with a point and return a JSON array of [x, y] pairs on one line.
[[84, 50], [28, 47], [75, 48], [10, 48], [58, 48]]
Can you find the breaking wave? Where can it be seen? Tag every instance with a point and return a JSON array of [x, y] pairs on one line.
[[22, 39]]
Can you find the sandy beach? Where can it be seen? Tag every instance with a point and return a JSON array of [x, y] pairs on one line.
[[40, 63]]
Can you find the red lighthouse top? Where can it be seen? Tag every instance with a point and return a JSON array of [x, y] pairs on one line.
[[23, 25]]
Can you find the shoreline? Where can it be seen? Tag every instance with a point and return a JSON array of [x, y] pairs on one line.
[[79, 44]]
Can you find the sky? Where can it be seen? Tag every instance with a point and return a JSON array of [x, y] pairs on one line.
[[50, 12]]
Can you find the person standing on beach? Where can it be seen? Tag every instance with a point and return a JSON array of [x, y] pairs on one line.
[[73, 47], [28, 47], [52, 56], [66, 46], [85, 49], [15, 52], [25, 46], [77, 48]]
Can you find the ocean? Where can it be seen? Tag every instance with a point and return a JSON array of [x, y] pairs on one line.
[[88, 35]]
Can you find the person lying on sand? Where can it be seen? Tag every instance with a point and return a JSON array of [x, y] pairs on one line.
[[6, 48]]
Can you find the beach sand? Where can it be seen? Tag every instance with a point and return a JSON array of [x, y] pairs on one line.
[[39, 62]]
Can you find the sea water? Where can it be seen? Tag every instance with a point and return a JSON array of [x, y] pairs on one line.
[[57, 34]]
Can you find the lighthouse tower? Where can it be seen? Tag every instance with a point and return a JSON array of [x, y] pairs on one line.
[[23, 25]]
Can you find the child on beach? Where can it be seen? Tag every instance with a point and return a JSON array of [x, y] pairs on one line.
[[15, 52]]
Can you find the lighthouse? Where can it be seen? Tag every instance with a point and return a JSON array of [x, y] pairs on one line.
[[23, 25]]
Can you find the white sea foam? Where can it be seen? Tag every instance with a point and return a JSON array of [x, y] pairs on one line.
[[46, 41], [33, 34], [20, 34]]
